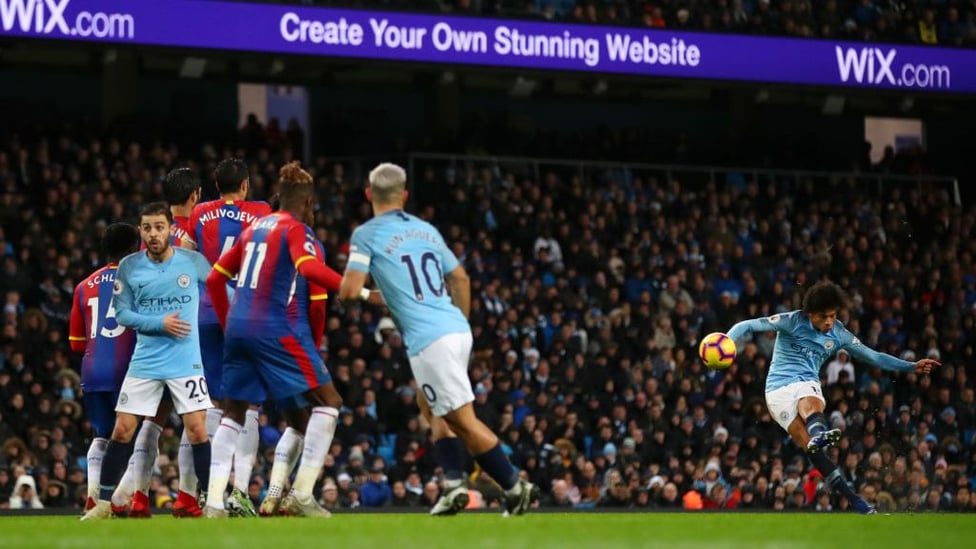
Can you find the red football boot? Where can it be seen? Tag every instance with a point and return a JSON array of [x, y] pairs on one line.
[[186, 506], [140, 506]]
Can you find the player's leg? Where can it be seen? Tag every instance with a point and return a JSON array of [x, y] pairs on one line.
[[100, 406], [191, 402], [241, 385], [293, 367], [286, 457], [212, 355], [788, 405], [450, 455], [811, 409], [137, 397], [245, 455], [323, 417], [441, 371]]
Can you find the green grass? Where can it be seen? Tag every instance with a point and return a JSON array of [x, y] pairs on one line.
[[470, 531]]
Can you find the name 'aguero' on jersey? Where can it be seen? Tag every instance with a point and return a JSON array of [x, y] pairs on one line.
[[144, 293], [801, 350], [407, 258]]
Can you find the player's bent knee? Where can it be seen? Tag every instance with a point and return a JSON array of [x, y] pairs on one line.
[[196, 427], [125, 428]]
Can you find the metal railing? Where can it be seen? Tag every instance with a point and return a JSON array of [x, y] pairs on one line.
[[476, 168]]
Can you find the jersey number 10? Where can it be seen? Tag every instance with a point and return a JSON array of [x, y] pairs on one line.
[[425, 260]]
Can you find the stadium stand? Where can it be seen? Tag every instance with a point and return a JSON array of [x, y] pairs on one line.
[[591, 290]]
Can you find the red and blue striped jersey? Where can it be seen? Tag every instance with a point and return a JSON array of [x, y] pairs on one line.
[[215, 226], [266, 259], [94, 331], [303, 294]]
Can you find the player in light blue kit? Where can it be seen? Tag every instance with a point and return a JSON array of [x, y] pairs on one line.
[[157, 294], [805, 339], [429, 294]]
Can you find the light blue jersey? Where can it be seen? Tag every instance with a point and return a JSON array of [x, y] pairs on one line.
[[801, 350], [145, 292], [407, 257]]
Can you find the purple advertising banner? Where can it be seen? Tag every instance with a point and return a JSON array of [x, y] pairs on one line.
[[496, 42]]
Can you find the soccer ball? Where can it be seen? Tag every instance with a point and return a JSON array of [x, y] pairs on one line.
[[717, 351]]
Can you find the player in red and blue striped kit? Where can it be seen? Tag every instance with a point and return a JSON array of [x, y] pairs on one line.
[[270, 349], [107, 345], [215, 226]]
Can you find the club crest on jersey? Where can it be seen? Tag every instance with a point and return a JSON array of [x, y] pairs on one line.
[[117, 287], [775, 318], [183, 281], [829, 345]]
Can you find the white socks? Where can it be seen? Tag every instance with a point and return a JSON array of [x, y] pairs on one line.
[[318, 440], [286, 456], [223, 445], [145, 454], [188, 474], [214, 416], [95, 453], [246, 452]]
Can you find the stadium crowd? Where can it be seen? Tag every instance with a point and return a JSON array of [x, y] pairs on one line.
[[590, 297], [915, 22]]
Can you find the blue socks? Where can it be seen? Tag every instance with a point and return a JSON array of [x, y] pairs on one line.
[[496, 464], [450, 455], [201, 463], [816, 424], [832, 474], [116, 459]]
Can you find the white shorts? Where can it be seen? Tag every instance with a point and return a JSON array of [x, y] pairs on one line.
[[441, 370], [783, 402], [140, 397]]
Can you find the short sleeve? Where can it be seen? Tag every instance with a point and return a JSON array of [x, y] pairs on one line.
[[360, 253], [202, 266]]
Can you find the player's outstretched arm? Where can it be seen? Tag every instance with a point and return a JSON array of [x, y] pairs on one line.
[[885, 361], [352, 287], [459, 285], [763, 324]]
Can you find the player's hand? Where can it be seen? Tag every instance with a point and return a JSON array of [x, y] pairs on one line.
[[176, 327], [376, 298], [925, 365]]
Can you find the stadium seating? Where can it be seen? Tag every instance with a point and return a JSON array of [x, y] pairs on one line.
[[568, 270]]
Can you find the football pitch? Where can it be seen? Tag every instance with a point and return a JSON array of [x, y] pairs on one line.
[[476, 530]]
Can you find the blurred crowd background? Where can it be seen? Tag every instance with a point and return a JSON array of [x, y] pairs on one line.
[[590, 293]]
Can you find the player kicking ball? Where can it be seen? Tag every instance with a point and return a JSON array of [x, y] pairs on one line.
[[805, 339], [157, 294], [429, 294]]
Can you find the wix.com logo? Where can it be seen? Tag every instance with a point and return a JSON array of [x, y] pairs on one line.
[[50, 18], [35, 15], [877, 67]]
